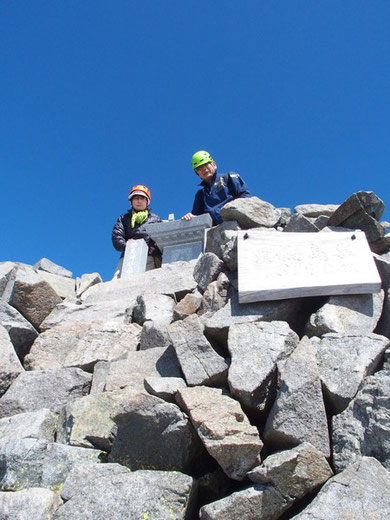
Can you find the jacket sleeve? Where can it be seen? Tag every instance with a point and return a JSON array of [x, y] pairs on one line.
[[118, 235], [198, 206], [140, 233], [238, 186]]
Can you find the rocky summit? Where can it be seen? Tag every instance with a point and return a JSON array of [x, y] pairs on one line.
[[162, 397]]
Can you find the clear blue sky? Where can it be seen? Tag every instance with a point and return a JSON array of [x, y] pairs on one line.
[[99, 95]]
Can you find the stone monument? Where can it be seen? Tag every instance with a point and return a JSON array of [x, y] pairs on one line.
[[276, 266], [180, 240]]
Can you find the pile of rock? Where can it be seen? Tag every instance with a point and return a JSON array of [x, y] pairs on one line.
[[161, 397]]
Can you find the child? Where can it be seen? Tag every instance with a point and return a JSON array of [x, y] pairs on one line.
[[129, 226]]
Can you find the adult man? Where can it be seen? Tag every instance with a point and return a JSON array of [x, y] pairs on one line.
[[217, 189]]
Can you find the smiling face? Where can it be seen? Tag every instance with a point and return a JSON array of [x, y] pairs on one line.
[[206, 171], [139, 202]]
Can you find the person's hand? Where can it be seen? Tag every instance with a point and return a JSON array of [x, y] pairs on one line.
[[187, 216]]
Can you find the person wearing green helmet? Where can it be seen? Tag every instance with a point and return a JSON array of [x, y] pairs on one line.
[[217, 188]]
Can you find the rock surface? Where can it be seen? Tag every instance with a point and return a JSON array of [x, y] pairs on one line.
[[40, 389], [143, 494], [364, 427], [199, 362], [362, 491], [347, 314], [81, 345], [298, 414], [10, 366], [29, 504], [223, 428], [131, 370], [251, 213], [255, 349], [294, 473], [26, 463], [33, 297], [316, 210], [344, 361], [60, 425]]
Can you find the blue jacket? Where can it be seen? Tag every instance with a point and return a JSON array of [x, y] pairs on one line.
[[222, 189]]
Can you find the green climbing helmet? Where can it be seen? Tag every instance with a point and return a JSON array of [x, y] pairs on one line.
[[201, 157]]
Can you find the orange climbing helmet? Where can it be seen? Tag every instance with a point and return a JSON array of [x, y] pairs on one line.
[[138, 189]]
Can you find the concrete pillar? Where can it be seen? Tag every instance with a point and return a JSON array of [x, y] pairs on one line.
[[134, 261]]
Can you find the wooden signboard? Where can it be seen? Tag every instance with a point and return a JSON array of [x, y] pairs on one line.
[[276, 266]]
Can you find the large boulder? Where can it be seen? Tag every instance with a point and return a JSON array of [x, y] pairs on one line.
[[132, 369], [7, 273], [316, 210], [83, 476], [164, 387], [171, 441], [251, 212], [216, 295], [86, 281], [223, 428], [217, 324], [70, 312], [63, 286], [26, 463], [382, 263], [21, 332], [42, 424], [298, 414], [29, 504], [343, 363], [294, 473], [255, 349], [349, 314], [33, 297], [174, 279], [363, 429], [10, 366], [217, 236], [40, 389], [114, 300], [153, 307], [154, 335], [298, 223], [46, 265], [362, 210], [280, 481], [188, 305], [253, 503], [361, 492], [125, 421], [82, 345], [143, 495], [207, 269], [383, 326], [200, 364]]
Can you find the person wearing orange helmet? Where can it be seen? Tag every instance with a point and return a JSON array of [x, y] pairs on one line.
[[129, 226]]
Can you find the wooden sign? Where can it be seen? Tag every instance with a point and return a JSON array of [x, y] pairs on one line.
[[276, 265]]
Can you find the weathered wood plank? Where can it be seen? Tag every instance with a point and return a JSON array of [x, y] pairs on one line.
[[275, 266]]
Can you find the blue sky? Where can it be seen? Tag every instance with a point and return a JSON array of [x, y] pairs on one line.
[[97, 96]]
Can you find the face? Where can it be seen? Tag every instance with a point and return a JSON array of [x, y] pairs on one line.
[[206, 171], [139, 202]]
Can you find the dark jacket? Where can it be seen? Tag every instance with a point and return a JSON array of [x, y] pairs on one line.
[[123, 231], [221, 189]]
